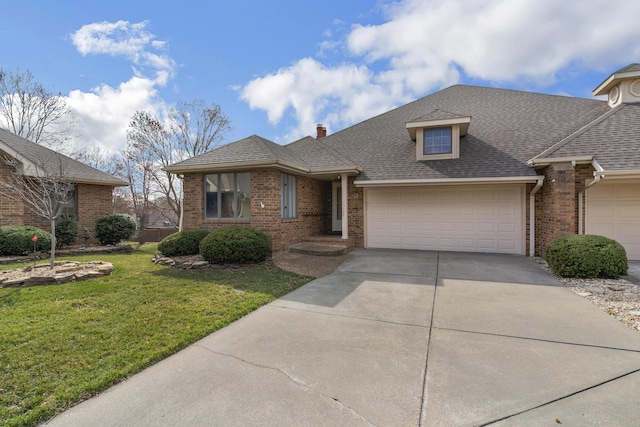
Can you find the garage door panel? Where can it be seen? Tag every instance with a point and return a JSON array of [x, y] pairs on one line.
[[613, 210], [484, 218]]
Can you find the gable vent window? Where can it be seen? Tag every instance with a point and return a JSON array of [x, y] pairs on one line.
[[437, 141], [288, 205]]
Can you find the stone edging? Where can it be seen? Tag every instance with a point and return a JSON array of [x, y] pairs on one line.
[[64, 272]]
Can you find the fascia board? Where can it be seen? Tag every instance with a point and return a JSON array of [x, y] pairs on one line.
[[449, 181], [605, 86]]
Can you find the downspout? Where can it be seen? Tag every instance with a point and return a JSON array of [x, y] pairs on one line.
[[532, 217], [181, 178], [596, 179]]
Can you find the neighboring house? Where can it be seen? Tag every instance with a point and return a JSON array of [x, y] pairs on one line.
[[93, 189], [464, 169]]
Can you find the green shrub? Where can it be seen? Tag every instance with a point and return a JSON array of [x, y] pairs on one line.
[[114, 228], [66, 231], [235, 245], [16, 240], [182, 243], [587, 256]]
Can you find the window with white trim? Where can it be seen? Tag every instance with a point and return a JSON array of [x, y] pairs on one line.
[[227, 195], [288, 191], [437, 141]]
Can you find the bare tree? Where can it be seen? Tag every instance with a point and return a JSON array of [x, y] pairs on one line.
[[42, 188], [198, 128], [192, 128], [136, 166], [33, 112]]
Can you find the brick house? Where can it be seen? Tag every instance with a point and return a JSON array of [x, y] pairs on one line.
[[93, 189], [463, 169]]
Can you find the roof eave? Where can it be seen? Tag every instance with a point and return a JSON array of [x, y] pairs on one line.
[[619, 174], [611, 81], [546, 161], [449, 181], [278, 164]]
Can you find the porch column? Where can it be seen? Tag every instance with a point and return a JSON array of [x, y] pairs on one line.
[[345, 200]]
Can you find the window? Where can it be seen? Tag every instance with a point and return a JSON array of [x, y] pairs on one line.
[[288, 191], [70, 203], [437, 141], [228, 195]]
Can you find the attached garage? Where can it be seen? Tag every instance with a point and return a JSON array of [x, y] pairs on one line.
[[472, 218], [613, 210]]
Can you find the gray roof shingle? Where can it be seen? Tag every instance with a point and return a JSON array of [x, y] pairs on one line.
[[507, 129], [53, 163], [613, 140]]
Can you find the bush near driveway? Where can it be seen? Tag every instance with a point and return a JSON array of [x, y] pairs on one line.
[[587, 256], [61, 344]]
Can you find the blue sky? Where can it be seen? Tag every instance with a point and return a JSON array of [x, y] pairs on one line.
[[279, 67]]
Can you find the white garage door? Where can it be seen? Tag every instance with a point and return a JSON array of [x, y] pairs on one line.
[[472, 219], [613, 210]]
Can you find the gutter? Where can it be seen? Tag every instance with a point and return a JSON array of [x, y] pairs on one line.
[[532, 216], [448, 181], [598, 175], [276, 164]]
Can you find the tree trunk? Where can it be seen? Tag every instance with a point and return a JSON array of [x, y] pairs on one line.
[[53, 244]]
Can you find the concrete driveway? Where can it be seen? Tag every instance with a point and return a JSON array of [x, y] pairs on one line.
[[397, 338]]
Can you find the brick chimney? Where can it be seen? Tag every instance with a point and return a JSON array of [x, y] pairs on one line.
[[321, 131]]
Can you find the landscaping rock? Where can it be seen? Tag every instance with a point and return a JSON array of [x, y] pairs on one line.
[[64, 272]]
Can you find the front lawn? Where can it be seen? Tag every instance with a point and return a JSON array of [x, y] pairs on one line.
[[60, 344]]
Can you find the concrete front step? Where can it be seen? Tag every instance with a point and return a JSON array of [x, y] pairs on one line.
[[320, 249]]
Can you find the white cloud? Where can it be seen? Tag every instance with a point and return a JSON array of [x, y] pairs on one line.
[[424, 45], [312, 91], [122, 38], [104, 112]]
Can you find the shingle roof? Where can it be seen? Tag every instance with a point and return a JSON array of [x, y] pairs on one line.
[[253, 150], [613, 140], [53, 163], [306, 154], [507, 129]]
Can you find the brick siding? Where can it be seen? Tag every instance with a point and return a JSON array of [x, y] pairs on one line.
[[557, 203], [313, 216], [93, 201]]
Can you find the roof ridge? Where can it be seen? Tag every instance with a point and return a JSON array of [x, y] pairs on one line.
[[271, 145], [555, 147]]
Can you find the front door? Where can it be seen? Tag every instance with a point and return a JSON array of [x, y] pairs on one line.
[[336, 206]]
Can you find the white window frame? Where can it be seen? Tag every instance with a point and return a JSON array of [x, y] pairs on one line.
[[455, 144]]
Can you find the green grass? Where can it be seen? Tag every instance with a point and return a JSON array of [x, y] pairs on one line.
[[61, 344]]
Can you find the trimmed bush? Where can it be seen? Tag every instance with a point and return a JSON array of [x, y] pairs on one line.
[[587, 256], [235, 245], [16, 240], [66, 231], [114, 228], [182, 243]]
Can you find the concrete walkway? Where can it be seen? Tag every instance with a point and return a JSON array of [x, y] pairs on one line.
[[397, 338]]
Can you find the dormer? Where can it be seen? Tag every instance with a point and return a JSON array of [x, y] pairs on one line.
[[437, 134], [622, 87]]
